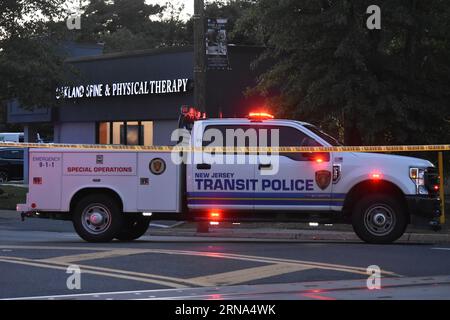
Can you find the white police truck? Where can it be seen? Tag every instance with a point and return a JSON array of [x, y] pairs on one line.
[[113, 194]]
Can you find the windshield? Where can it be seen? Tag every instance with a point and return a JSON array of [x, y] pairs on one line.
[[325, 136]]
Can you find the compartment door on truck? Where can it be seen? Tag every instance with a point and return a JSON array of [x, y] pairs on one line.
[[302, 181], [228, 183], [45, 179], [159, 183]]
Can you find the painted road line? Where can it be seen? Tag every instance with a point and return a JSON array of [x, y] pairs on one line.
[[246, 275], [39, 247], [317, 297], [157, 225], [92, 294], [269, 260], [312, 264], [115, 253], [448, 249], [184, 282], [227, 278], [293, 291], [321, 265], [311, 290], [113, 273]]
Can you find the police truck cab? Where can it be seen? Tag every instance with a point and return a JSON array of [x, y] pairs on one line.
[[112, 193]]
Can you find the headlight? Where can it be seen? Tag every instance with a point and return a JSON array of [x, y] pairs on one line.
[[417, 175]]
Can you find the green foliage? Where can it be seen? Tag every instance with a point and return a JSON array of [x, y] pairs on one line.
[[371, 86], [233, 11], [29, 65], [124, 25], [10, 196]]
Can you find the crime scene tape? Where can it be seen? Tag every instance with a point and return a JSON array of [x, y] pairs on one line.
[[395, 148]]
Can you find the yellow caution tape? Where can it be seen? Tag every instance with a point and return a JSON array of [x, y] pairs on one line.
[[438, 147]]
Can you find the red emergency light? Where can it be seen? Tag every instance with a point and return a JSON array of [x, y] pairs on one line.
[[376, 176], [215, 215], [192, 113], [259, 116]]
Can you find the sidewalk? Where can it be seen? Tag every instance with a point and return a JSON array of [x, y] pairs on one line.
[[307, 234]]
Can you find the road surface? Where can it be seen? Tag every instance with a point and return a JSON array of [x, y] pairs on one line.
[[35, 255]]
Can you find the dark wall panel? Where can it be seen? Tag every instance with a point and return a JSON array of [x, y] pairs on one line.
[[129, 69], [226, 88]]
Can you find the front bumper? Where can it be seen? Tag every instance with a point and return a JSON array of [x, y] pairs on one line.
[[424, 210]]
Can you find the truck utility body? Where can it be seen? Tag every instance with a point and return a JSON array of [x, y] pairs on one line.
[[112, 194]]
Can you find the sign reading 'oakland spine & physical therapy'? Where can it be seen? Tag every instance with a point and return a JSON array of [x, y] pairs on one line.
[[123, 89]]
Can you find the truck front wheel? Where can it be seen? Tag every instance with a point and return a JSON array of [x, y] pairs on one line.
[[379, 218], [134, 227], [97, 218]]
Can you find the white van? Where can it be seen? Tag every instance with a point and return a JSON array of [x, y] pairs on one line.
[[11, 137]]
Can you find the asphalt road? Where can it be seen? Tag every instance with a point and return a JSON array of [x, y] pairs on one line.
[[35, 255]]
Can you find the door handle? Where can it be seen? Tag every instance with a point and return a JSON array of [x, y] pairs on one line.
[[264, 166], [203, 166]]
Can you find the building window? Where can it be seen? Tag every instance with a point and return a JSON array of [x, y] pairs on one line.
[[125, 133]]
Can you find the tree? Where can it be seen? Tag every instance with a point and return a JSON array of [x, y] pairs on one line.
[[124, 25], [30, 66], [233, 11], [371, 86]]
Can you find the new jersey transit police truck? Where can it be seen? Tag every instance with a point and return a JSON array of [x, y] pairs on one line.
[[113, 194]]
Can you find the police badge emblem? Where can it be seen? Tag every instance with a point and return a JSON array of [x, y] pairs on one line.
[[323, 179], [157, 166]]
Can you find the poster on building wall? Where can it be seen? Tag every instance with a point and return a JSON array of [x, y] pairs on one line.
[[216, 44]]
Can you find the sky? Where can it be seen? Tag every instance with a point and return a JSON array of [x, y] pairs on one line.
[[185, 15], [188, 6]]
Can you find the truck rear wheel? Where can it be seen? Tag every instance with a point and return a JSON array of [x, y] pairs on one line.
[[97, 218], [134, 227], [379, 218]]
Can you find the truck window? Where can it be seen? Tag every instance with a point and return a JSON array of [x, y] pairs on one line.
[[288, 137], [325, 136], [13, 154], [292, 137], [246, 142]]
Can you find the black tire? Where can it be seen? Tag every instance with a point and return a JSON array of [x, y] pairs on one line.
[[379, 218], [3, 176], [134, 227], [88, 209]]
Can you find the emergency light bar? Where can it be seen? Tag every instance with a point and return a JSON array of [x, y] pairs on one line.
[[191, 113], [188, 115], [259, 116]]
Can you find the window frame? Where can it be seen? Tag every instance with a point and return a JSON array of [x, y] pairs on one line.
[[262, 125]]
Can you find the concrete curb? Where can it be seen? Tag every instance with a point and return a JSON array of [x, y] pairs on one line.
[[13, 185], [300, 235], [275, 234]]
